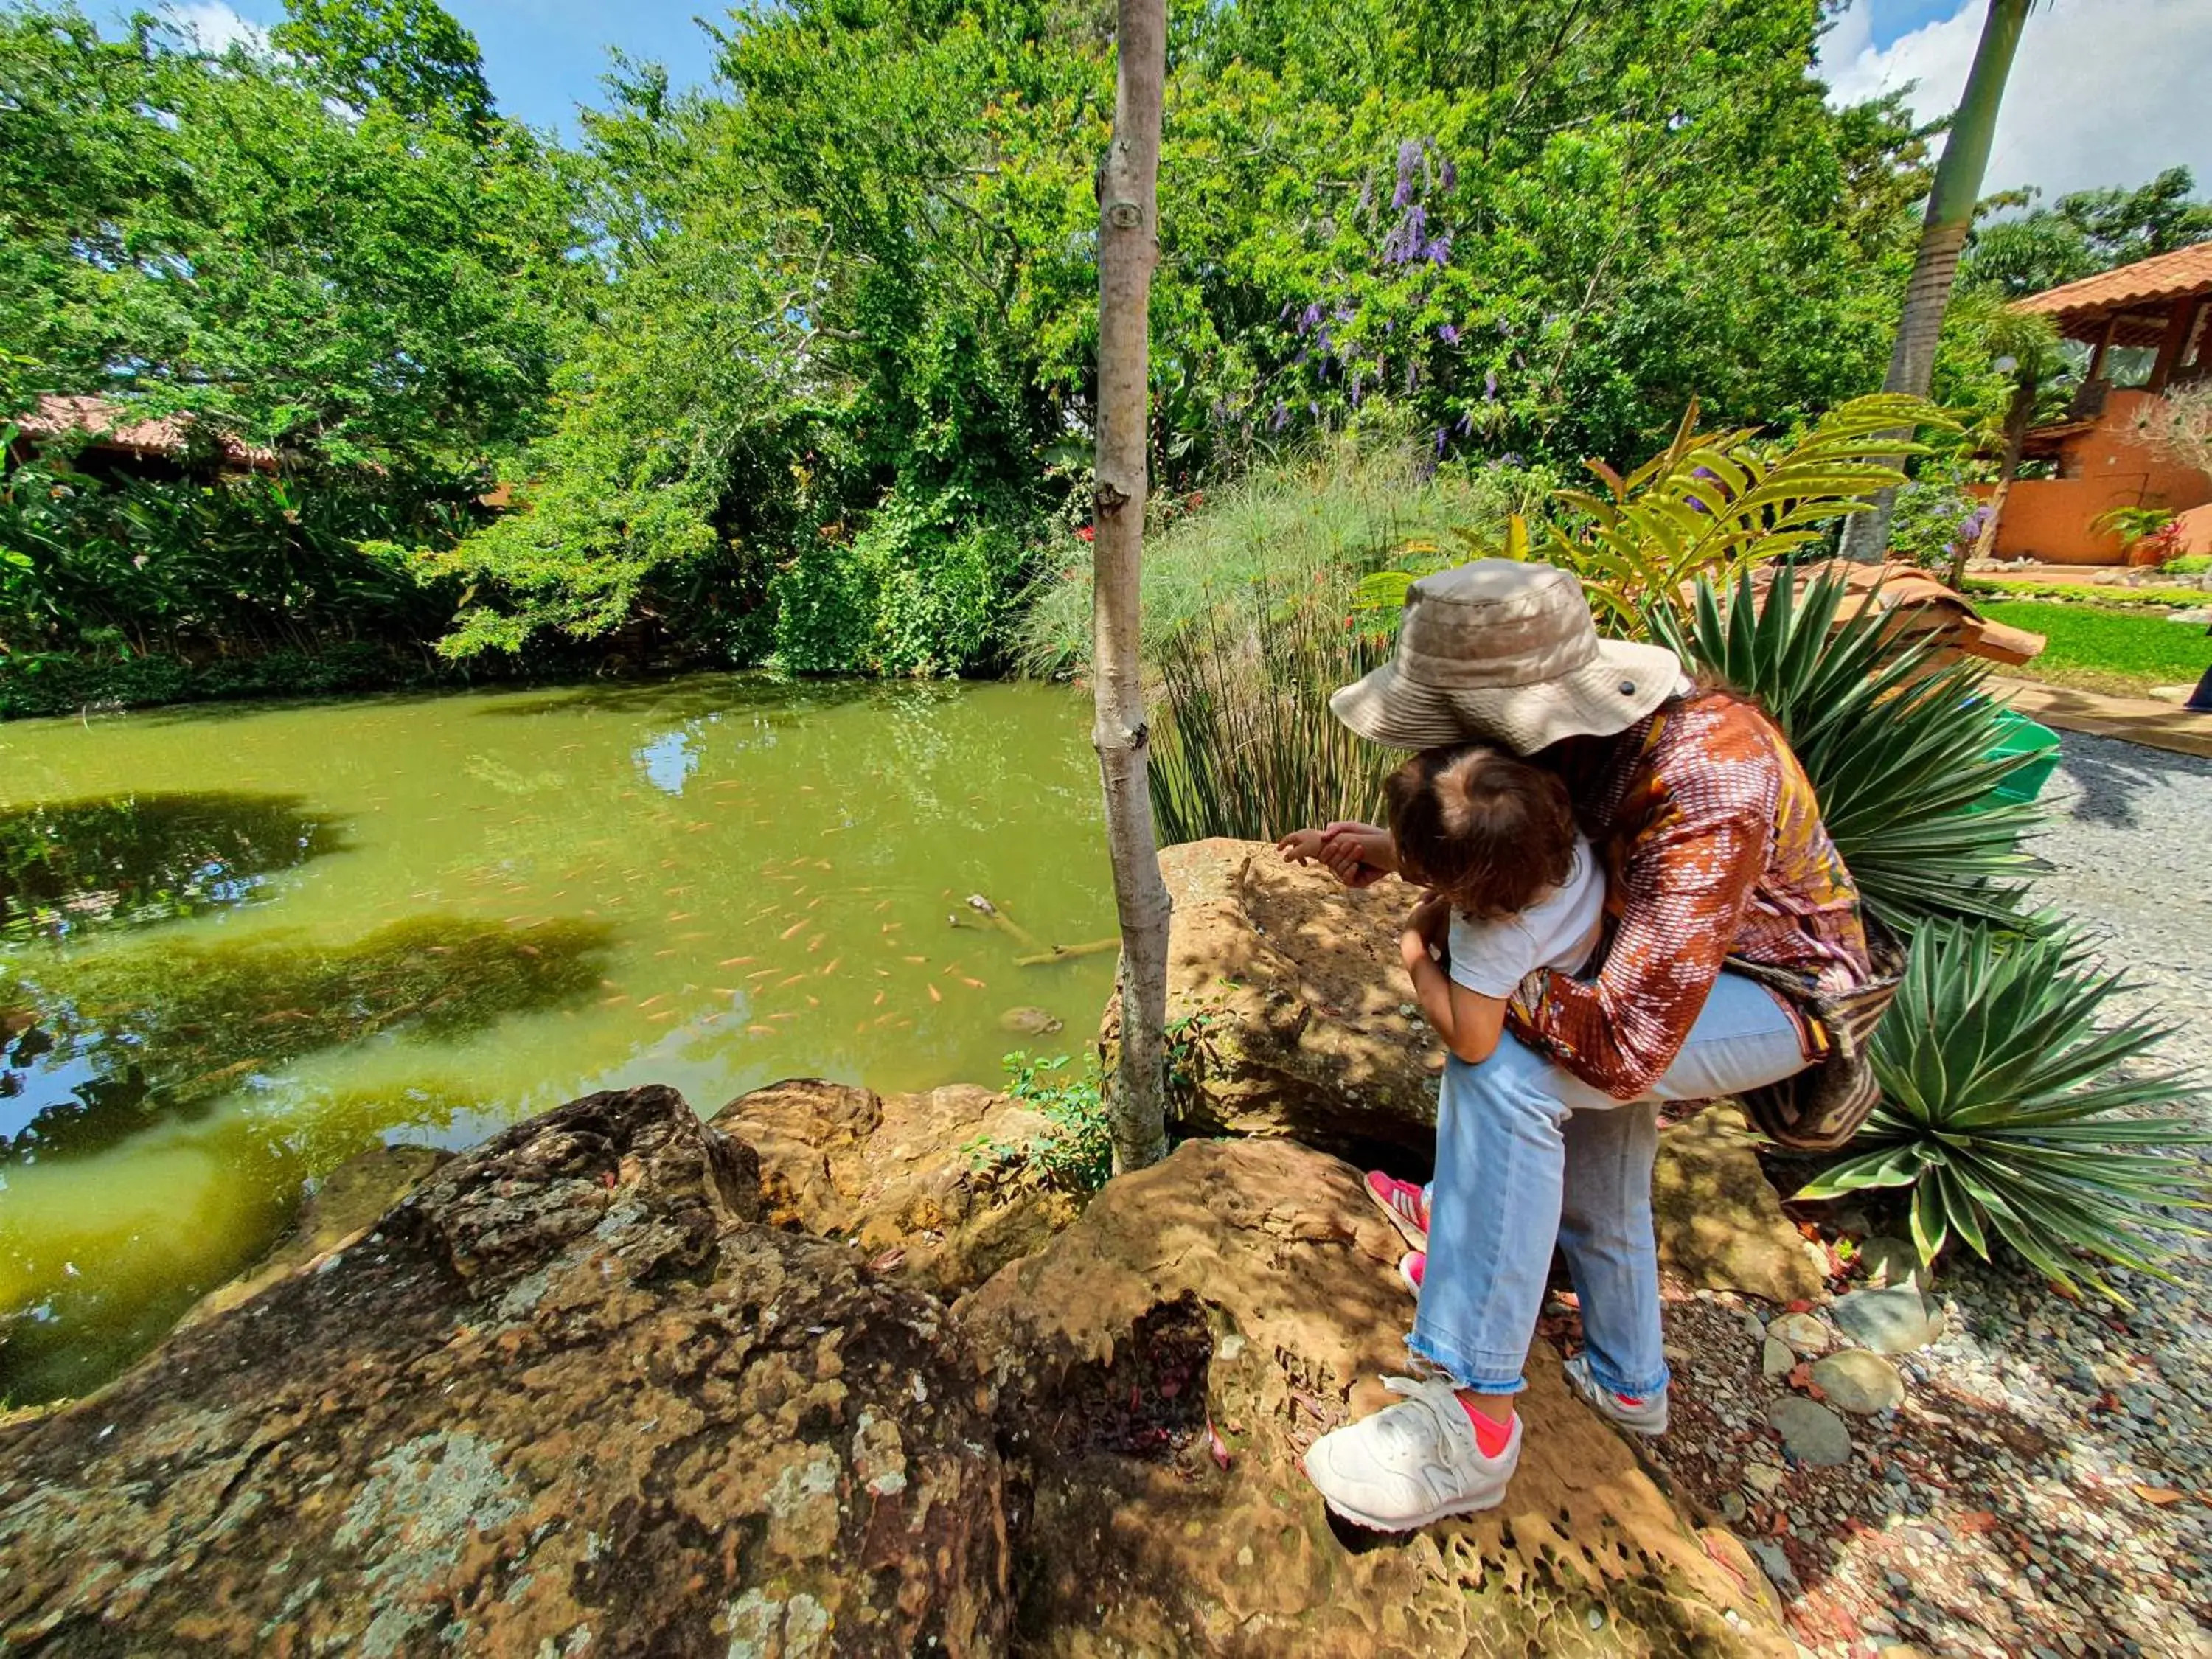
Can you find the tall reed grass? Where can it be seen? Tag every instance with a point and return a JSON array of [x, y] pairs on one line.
[[1343, 512], [1243, 742]]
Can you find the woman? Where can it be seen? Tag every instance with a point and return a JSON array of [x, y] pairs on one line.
[[1713, 849]]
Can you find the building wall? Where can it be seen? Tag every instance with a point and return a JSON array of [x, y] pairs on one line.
[[2105, 467]]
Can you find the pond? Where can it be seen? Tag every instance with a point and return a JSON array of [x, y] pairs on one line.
[[239, 944]]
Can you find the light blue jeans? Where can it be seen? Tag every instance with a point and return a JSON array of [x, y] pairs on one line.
[[1527, 1153]]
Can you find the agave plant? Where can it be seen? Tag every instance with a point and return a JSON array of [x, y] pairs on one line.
[[2009, 1111], [1898, 744], [1710, 505]]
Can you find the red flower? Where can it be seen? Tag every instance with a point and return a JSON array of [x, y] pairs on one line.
[[1086, 532]]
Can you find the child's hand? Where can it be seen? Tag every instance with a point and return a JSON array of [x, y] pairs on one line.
[[1302, 846], [1424, 934]]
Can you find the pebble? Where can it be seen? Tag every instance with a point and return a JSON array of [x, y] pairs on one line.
[[1776, 1358], [1892, 1261], [1811, 1432], [1764, 1479], [1895, 1320], [1804, 1333], [1859, 1382]]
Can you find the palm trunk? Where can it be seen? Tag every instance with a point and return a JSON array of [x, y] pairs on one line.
[[1958, 186], [1129, 245], [2018, 418]]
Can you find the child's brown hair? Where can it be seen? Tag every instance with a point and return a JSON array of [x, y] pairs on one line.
[[1491, 833]]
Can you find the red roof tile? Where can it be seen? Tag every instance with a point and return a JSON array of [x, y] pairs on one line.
[[112, 427], [2161, 279]]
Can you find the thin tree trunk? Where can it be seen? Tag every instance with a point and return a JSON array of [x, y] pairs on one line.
[[1128, 246], [1951, 201], [2018, 415]]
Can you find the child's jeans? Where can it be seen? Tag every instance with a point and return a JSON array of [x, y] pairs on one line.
[[1526, 1154]]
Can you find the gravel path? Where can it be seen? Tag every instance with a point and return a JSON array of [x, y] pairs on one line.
[[2046, 1488]]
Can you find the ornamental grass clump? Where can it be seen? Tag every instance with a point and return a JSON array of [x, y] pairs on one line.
[[2011, 1110]]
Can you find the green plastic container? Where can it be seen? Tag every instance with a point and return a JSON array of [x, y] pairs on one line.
[[2019, 735]]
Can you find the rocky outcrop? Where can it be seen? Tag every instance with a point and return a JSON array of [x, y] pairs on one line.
[[1291, 986], [569, 1397], [1719, 1219], [929, 1186], [1163, 1365]]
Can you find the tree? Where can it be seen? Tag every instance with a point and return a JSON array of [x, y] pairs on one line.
[[2083, 233], [2025, 347], [1128, 246], [410, 56], [1943, 232]]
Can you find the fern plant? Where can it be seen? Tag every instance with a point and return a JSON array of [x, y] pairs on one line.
[[1710, 505], [1898, 744], [2011, 1115]]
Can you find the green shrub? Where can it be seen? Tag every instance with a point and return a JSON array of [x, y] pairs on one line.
[[2006, 1109], [1078, 1152], [1898, 750]]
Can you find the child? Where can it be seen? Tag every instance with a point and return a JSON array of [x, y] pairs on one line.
[[1513, 888]]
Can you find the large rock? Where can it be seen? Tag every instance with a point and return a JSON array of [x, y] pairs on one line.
[[567, 1398], [1249, 1286], [1719, 1219], [1302, 1022], [929, 1186], [1296, 1001]]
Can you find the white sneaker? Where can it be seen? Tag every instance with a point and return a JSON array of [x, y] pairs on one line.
[[1646, 1416], [1411, 1463]]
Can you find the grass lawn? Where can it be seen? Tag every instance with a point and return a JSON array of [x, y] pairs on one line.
[[2105, 647]]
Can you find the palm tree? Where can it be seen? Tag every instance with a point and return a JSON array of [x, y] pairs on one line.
[[1128, 246], [1950, 216], [2026, 347]]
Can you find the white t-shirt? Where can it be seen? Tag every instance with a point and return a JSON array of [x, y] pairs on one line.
[[1558, 931]]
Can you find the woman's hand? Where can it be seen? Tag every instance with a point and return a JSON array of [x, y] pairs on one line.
[[1361, 855]]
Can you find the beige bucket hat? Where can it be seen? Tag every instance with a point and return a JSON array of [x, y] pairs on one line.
[[1504, 651]]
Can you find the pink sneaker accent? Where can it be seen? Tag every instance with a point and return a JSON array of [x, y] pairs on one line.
[[1406, 1204], [1411, 1266]]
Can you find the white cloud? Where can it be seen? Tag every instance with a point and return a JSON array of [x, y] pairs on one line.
[[2102, 92], [217, 26]]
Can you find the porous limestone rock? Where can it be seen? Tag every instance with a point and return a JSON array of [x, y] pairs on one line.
[[1300, 1028], [566, 1398], [1164, 1363], [923, 1183], [1720, 1221]]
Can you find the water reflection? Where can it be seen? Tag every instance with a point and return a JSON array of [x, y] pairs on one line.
[[71, 867], [108, 1044]]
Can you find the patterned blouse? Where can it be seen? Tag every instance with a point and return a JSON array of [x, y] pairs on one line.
[[1713, 847]]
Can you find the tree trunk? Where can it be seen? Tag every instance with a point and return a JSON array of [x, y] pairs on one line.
[[2019, 417], [1129, 245], [1958, 186]]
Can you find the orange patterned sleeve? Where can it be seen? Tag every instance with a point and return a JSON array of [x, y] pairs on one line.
[[1684, 879]]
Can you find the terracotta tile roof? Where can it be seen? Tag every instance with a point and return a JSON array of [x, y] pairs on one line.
[[112, 427], [2161, 279]]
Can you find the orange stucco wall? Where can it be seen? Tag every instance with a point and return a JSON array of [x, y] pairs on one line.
[[2108, 466]]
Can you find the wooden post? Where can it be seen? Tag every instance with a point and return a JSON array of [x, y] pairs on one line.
[[2103, 348], [1128, 246], [2177, 322]]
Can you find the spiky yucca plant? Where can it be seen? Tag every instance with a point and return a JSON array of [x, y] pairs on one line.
[[1898, 747], [2007, 1110]]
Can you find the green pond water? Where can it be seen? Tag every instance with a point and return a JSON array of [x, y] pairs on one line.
[[238, 946]]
